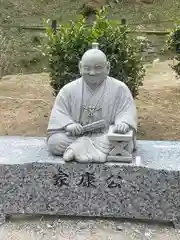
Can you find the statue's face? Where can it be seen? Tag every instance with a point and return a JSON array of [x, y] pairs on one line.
[[94, 73], [94, 69]]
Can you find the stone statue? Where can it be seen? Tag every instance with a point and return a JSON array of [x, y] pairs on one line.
[[85, 108]]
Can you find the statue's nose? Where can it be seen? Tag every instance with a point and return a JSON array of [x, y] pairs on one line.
[[92, 72]]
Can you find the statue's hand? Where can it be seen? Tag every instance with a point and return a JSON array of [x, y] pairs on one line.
[[121, 128], [75, 129]]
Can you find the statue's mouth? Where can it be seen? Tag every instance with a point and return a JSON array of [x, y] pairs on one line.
[[92, 79]]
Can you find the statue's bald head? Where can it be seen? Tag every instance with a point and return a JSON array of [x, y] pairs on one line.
[[94, 55], [94, 66]]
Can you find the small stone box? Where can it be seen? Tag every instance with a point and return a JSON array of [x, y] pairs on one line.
[[122, 151], [34, 182], [119, 137]]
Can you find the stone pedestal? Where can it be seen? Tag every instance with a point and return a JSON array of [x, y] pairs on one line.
[[34, 182]]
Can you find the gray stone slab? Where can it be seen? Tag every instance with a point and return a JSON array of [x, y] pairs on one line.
[[154, 154], [120, 159], [33, 182]]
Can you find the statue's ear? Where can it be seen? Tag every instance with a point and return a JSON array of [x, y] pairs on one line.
[[108, 67], [80, 67]]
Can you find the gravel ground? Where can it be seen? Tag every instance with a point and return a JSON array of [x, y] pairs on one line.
[[43, 228]]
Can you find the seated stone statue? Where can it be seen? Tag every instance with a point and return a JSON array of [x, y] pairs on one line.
[[95, 98]]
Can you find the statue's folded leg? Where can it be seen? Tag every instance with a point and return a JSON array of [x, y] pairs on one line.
[[58, 142], [81, 150], [89, 149], [103, 144]]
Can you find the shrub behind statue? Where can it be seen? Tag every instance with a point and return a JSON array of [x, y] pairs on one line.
[[65, 49]]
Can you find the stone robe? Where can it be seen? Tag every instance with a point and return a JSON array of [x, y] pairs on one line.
[[113, 102]]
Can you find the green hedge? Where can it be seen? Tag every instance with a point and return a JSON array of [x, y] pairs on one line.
[[65, 49], [173, 44]]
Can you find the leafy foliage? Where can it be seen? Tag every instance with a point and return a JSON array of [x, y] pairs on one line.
[[65, 49], [173, 44]]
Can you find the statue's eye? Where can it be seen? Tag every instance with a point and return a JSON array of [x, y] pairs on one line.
[[87, 68], [98, 67]]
